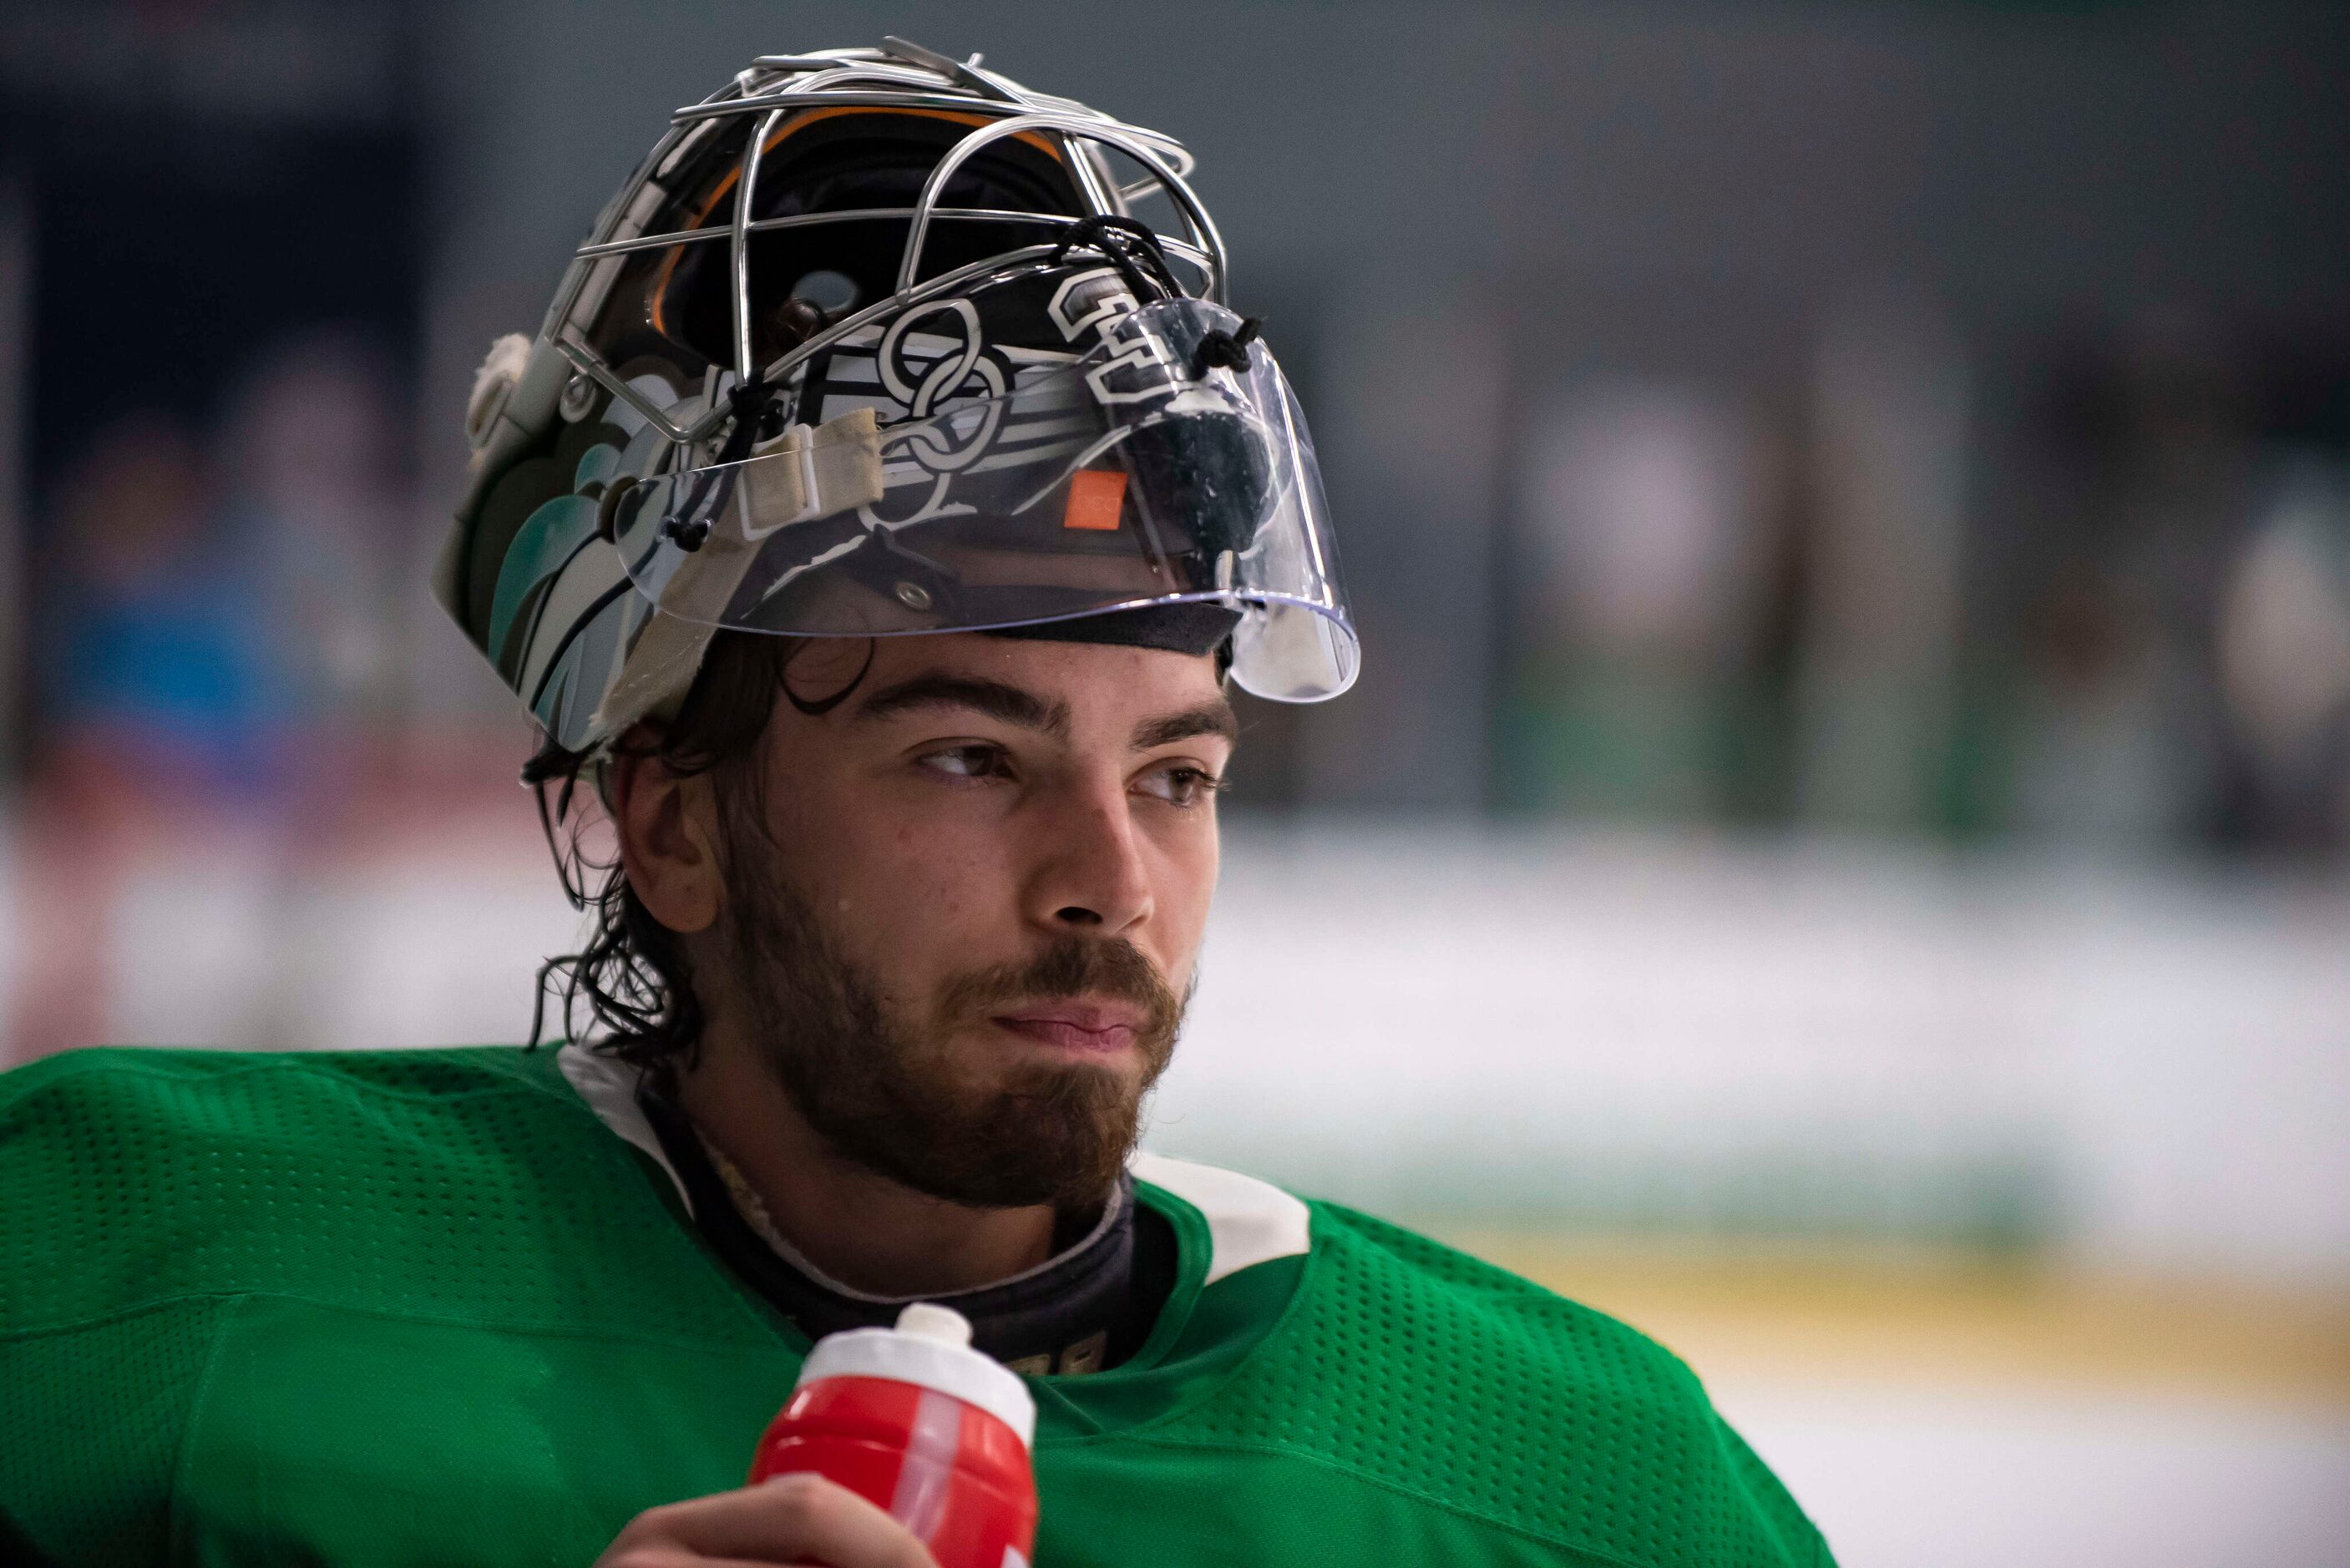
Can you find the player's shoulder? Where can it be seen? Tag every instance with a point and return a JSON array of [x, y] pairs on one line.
[[140, 1117], [1359, 1258], [132, 1175], [129, 1101], [146, 1075], [1477, 1302], [1416, 1366]]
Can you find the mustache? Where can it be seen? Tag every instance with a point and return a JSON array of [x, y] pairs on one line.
[[1103, 967]]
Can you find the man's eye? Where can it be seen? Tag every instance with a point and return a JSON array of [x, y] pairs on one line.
[[1183, 786], [965, 762]]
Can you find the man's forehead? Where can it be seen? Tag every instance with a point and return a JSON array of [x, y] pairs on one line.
[[1092, 672], [1063, 687]]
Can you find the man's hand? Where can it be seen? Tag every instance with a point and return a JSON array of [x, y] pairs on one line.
[[794, 1519]]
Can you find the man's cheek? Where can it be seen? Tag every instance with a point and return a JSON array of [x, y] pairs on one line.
[[956, 890]]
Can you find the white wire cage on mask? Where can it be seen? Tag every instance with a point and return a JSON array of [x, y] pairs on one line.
[[972, 480]]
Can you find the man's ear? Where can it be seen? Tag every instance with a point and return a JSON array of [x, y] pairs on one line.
[[668, 827]]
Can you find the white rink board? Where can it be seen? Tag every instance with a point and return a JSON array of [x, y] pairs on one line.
[[1403, 1014]]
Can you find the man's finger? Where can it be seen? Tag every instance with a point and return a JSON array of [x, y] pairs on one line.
[[789, 1520]]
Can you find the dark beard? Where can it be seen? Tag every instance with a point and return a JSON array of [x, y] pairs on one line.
[[891, 1099]]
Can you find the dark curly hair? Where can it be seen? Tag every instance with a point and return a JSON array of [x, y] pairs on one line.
[[630, 977]]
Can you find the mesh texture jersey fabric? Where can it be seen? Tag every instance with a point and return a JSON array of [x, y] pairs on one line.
[[422, 1307]]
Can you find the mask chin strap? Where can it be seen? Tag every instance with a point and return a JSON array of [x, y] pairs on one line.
[[1223, 350], [1129, 245], [1133, 248], [688, 528]]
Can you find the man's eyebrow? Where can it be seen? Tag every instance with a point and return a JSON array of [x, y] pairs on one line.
[[995, 698], [1214, 718]]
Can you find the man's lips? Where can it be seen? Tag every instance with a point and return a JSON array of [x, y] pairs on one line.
[[1090, 1027]]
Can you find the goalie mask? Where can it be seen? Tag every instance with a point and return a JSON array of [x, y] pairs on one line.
[[877, 343]]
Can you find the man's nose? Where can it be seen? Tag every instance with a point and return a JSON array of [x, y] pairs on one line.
[[1090, 878]]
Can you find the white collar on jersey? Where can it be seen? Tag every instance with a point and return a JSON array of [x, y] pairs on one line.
[[1249, 1222]]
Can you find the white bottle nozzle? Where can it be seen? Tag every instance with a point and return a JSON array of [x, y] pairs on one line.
[[928, 1320], [929, 1347]]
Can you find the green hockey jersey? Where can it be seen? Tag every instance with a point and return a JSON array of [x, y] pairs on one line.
[[443, 1308]]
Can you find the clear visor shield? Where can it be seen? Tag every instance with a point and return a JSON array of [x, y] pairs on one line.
[[990, 488]]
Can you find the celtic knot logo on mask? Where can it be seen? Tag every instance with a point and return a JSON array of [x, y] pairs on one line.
[[925, 370]]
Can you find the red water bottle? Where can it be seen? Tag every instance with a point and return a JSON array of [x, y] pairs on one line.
[[916, 1420]]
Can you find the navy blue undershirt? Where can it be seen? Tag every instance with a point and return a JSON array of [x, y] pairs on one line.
[[1089, 1308]]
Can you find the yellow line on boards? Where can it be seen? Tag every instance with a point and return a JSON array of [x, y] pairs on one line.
[[1951, 1321]]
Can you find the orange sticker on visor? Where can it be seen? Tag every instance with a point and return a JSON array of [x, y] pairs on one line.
[[1096, 498]]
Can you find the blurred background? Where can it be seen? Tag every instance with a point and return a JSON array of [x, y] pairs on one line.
[[1841, 851]]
